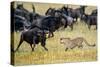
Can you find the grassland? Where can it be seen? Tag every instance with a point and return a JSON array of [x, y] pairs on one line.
[[56, 52]]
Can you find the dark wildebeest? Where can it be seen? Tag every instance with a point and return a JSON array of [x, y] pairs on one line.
[[64, 20], [20, 23], [58, 14], [35, 16], [33, 36], [65, 10], [90, 20], [17, 21], [22, 18], [74, 13], [70, 22], [47, 23], [21, 11]]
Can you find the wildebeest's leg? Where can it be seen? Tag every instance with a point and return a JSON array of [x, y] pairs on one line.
[[50, 34], [71, 26], [44, 47], [65, 26], [66, 49], [21, 40], [76, 19], [89, 26], [31, 47], [34, 43]]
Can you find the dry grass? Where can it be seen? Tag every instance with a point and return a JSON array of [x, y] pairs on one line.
[[56, 53]]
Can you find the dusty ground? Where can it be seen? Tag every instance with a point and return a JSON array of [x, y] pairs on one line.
[[56, 53]]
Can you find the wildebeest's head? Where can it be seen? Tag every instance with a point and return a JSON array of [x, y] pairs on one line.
[[33, 8], [57, 13], [84, 17], [50, 11], [20, 6], [64, 8]]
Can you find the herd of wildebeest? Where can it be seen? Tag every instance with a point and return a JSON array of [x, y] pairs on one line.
[[34, 26]]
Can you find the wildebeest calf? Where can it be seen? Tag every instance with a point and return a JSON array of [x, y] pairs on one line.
[[33, 36]]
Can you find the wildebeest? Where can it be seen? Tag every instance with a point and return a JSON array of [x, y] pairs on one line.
[[58, 14], [90, 20], [64, 20], [33, 36], [46, 23], [21, 17], [74, 13], [70, 22], [20, 23], [21, 11]]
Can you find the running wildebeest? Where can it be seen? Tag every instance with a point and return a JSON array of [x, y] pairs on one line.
[[74, 13], [33, 37], [64, 20], [17, 21], [58, 14], [70, 22], [46, 23], [90, 20], [21, 11], [29, 16], [22, 18], [21, 23]]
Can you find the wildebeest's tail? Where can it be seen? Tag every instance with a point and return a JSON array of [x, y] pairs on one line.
[[88, 43]]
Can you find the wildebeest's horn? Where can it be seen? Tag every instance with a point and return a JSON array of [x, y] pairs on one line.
[[33, 7]]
